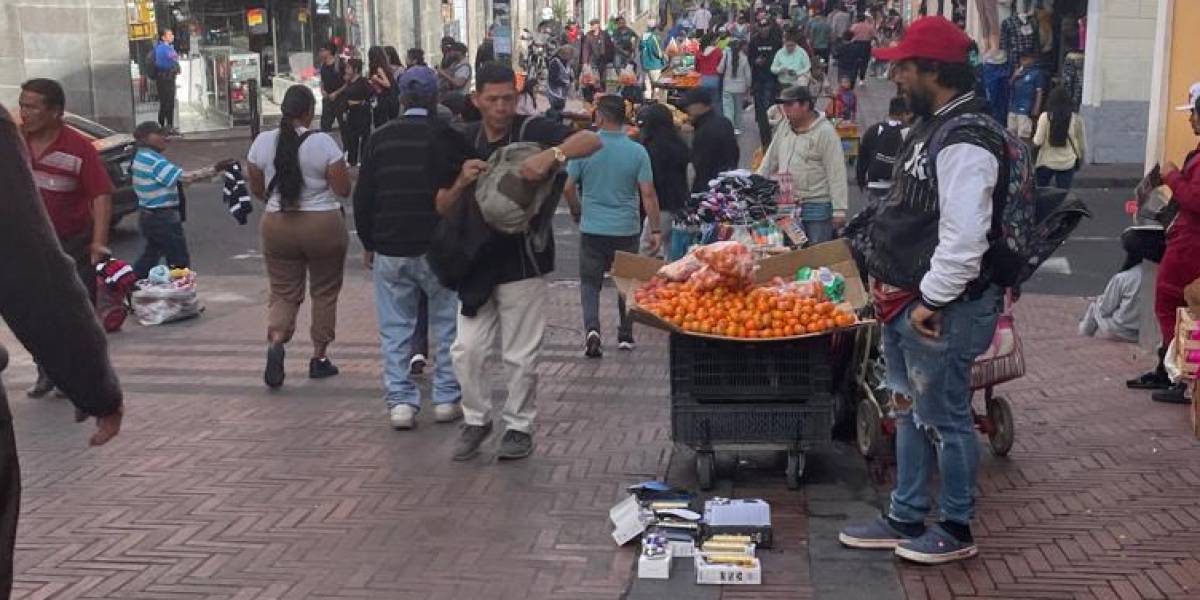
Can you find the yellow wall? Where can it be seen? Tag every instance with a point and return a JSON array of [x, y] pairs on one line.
[[1182, 72]]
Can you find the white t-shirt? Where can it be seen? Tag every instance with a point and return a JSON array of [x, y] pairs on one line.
[[316, 154]]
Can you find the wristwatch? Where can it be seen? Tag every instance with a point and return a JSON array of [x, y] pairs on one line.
[[560, 157]]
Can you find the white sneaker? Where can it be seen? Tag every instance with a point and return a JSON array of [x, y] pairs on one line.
[[625, 345], [404, 416], [447, 413]]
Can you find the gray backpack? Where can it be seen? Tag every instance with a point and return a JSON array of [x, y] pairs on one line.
[[506, 200]]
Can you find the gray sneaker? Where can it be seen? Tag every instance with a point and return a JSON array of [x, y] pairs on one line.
[[472, 437], [878, 534], [515, 444], [936, 547]]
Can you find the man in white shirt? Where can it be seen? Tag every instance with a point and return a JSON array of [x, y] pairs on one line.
[[701, 18]]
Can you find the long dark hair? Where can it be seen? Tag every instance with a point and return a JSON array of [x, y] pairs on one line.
[[657, 129], [377, 59], [393, 56], [1059, 107], [735, 51], [298, 103]]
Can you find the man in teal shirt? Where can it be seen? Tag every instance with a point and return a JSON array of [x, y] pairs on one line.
[[609, 220]]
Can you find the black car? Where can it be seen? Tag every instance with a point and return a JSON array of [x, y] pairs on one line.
[[116, 150]]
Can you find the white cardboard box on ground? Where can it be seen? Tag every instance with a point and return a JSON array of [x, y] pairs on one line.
[[711, 574], [626, 519], [682, 549], [655, 568]]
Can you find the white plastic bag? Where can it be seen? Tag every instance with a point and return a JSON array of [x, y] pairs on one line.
[[155, 304]]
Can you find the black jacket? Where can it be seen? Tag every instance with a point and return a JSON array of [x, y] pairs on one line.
[[877, 153], [404, 163], [669, 163], [714, 149]]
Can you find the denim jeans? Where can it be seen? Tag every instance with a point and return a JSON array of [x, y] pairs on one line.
[[596, 254], [732, 105], [764, 98], [818, 232], [162, 229], [939, 427], [398, 283], [1062, 179]]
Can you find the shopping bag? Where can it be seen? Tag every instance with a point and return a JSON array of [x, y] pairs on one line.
[[159, 303]]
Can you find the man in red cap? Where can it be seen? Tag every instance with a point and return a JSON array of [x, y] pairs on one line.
[[924, 248]]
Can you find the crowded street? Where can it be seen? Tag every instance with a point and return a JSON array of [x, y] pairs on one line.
[[692, 299]]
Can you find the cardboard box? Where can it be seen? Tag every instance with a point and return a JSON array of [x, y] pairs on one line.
[[630, 271], [626, 518], [682, 548], [716, 574], [655, 568], [1187, 341]]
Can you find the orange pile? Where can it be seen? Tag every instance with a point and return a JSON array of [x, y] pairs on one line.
[[756, 313]]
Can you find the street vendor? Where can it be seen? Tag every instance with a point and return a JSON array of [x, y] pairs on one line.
[[808, 151]]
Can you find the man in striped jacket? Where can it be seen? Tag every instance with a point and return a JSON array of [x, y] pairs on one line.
[[156, 181]]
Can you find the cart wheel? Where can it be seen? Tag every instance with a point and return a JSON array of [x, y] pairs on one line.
[[870, 428], [706, 469], [1000, 414], [795, 469]]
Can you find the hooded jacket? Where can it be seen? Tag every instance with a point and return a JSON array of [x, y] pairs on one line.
[[815, 160]]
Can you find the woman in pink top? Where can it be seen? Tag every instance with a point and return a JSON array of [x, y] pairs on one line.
[[863, 33]]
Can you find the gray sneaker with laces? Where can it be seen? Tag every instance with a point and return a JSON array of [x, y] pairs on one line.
[[470, 440], [515, 444]]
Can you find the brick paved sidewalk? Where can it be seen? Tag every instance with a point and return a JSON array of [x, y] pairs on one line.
[[220, 489], [1100, 497]]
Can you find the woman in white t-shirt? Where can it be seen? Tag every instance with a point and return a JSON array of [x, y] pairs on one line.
[[302, 176]]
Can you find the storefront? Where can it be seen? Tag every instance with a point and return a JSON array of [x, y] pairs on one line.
[[223, 45]]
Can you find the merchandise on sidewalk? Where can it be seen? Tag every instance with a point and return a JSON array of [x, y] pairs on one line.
[[1185, 347], [166, 295], [722, 542]]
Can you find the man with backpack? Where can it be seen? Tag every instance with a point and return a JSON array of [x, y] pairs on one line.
[[502, 285], [879, 148], [935, 254]]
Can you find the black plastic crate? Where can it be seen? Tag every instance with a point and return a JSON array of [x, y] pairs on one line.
[[763, 371], [806, 425]]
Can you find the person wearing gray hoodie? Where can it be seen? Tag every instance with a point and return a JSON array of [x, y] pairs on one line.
[[808, 149]]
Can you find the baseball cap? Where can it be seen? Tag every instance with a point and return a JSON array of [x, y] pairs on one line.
[[147, 128], [932, 38], [418, 80], [696, 96], [1193, 95]]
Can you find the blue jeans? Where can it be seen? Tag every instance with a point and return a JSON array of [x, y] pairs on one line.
[[399, 280], [731, 103], [1062, 179], [162, 230], [764, 98], [939, 427], [818, 232]]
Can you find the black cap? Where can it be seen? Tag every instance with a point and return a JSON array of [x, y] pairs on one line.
[[696, 95], [796, 93], [147, 128]]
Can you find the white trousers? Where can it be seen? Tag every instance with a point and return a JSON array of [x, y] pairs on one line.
[[516, 313]]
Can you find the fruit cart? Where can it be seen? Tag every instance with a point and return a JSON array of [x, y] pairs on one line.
[[759, 374]]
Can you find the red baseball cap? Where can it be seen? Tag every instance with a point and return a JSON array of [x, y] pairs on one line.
[[933, 38]]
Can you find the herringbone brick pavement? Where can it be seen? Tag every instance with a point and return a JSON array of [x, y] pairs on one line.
[[219, 489], [1100, 497]]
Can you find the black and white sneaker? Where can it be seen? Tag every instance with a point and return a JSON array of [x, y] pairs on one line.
[[416, 364], [591, 345], [626, 344]]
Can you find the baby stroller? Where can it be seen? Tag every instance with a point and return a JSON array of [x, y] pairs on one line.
[[1058, 214]]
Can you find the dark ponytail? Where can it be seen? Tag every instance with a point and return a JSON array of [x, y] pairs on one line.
[[298, 102], [1059, 107]]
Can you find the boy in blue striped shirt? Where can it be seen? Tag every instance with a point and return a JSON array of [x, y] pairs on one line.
[[156, 182]]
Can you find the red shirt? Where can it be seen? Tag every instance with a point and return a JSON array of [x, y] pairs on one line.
[[70, 175], [1185, 188], [707, 64]]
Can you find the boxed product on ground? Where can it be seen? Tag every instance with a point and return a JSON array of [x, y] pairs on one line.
[[166, 295], [721, 292], [1187, 342], [712, 569], [654, 562], [738, 520]]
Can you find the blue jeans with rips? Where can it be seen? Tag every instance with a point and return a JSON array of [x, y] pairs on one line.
[[938, 429], [398, 283]]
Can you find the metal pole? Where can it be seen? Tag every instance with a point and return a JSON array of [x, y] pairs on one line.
[[255, 116]]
